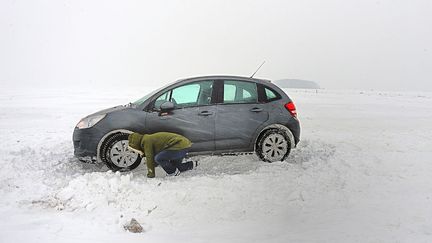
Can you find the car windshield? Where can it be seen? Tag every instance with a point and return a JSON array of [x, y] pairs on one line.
[[140, 101]]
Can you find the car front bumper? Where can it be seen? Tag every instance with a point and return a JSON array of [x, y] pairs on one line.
[[85, 143]]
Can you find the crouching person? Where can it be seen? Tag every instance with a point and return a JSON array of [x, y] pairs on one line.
[[164, 148]]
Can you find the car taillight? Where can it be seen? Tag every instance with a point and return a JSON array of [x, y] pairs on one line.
[[291, 108]]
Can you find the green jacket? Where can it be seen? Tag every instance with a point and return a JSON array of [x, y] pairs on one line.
[[152, 144]]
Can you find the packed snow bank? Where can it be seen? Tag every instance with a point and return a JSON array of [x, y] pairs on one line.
[[361, 173]]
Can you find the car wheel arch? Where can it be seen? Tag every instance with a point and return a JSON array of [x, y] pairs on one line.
[[105, 138], [275, 126]]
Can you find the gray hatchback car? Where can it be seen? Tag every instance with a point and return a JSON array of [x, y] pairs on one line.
[[219, 114]]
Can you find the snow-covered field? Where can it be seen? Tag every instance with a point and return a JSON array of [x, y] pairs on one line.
[[362, 173]]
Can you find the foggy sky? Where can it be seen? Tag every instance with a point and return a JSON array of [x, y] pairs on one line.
[[346, 44]]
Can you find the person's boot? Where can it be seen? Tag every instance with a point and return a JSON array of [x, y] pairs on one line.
[[175, 173]]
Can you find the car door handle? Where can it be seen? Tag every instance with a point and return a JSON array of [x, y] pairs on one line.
[[205, 113], [256, 109]]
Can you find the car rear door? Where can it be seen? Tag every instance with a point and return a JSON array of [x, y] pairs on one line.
[[238, 115], [193, 116]]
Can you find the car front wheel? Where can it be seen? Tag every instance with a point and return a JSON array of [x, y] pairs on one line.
[[273, 145], [116, 155]]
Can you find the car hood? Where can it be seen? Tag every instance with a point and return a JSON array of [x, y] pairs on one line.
[[109, 110]]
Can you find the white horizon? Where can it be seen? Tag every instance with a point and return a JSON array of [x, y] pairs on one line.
[[380, 45]]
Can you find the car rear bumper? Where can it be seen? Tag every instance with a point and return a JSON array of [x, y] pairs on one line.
[[295, 129]]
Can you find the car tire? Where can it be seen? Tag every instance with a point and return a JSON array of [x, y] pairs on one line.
[[116, 155], [273, 145]]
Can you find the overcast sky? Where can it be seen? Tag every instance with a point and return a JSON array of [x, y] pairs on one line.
[[380, 44]]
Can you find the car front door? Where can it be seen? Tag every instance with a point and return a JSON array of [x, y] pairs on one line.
[[238, 115], [192, 117]]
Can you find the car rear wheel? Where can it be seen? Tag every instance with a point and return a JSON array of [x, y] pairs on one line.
[[116, 155], [273, 145]]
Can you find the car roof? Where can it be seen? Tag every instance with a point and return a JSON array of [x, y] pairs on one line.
[[225, 77]]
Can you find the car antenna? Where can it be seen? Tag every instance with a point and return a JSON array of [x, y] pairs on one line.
[[257, 69]]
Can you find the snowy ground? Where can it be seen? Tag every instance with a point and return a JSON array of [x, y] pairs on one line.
[[362, 173]]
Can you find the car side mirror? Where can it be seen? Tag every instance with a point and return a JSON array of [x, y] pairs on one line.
[[167, 106]]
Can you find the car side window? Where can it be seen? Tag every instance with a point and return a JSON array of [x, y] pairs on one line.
[[161, 99], [271, 95], [239, 92], [186, 95], [193, 94]]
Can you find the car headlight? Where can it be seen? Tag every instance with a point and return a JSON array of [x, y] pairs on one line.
[[89, 121]]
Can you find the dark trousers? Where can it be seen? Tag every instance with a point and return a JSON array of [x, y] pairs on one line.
[[170, 160]]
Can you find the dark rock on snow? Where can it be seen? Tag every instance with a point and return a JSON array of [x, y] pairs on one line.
[[134, 226]]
